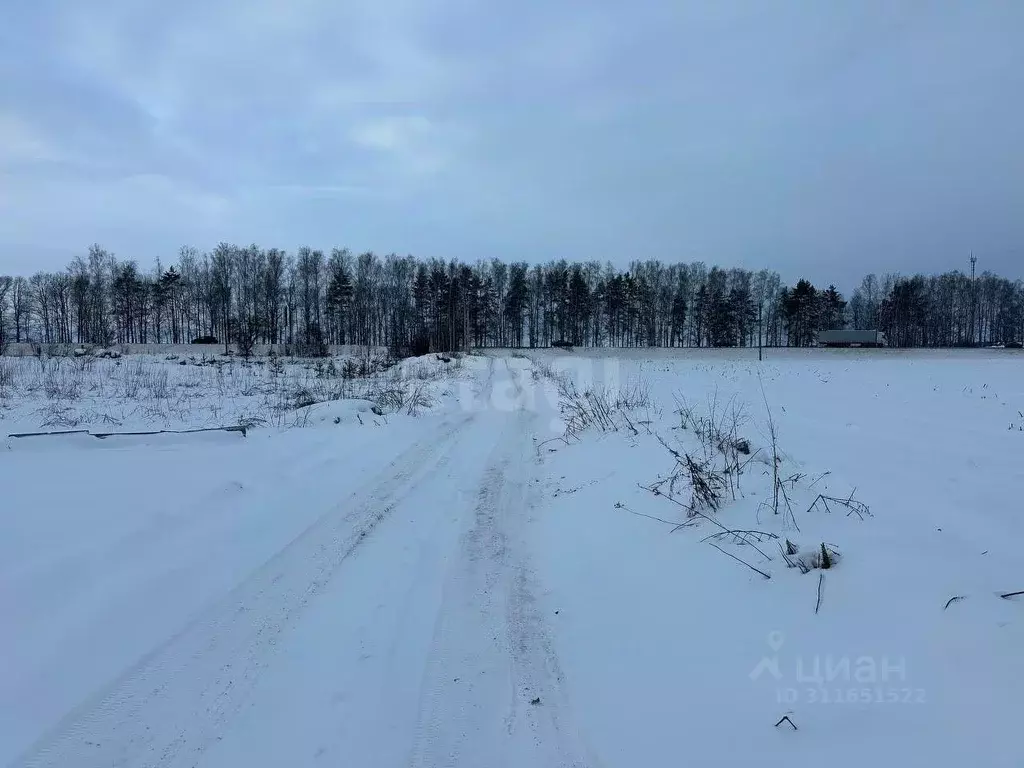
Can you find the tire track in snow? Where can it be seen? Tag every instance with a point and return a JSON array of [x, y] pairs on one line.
[[492, 691], [169, 707]]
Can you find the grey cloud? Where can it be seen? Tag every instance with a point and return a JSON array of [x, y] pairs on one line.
[[824, 139]]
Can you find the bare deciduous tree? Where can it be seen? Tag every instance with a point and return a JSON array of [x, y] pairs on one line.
[[423, 305]]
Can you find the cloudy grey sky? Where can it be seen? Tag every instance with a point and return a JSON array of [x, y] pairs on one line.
[[824, 138]]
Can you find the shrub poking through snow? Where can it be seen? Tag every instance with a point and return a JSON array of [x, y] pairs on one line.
[[712, 471], [718, 430], [826, 559], [63, 381], [6, 377], [707, 486], [388, 400], [199, 390], [599, 407], [822, 557], [302, 398]]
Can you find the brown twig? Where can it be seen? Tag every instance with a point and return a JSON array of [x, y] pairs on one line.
[[952, 600]]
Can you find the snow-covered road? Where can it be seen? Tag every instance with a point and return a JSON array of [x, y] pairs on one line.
[[463, 588], [400, 627]]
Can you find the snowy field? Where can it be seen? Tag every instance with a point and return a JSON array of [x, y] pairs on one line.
[[516, 558], [174, 390], [673, 649]]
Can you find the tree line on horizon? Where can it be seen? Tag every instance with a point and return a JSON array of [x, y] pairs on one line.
[[248, 295]]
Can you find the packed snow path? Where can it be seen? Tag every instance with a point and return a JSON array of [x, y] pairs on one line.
[[400, 628]]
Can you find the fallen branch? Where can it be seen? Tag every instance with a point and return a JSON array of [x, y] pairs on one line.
[[552, 440], [236, 428], [826, 473], [104, 435], [1008, 595], [742, 534], [854, 506], [48, 434], [952, 600], [794, 479], [756, 570], [785, 719], [673, 523], [697, 513], [821, 581]]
